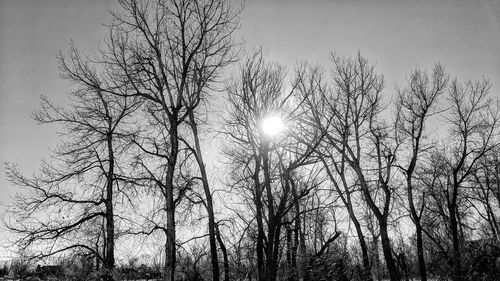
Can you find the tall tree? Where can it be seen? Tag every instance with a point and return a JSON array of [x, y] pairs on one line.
[[323, 107], [415, 104], [168, 53], [269, 162], [77, 190], [363, 141], [487, 193], [473, 129]]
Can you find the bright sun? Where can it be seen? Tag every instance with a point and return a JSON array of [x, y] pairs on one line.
[[272, 125]]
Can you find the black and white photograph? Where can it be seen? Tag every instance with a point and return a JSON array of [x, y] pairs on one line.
[[250, 140]]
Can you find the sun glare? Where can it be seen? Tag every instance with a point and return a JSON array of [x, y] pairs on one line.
[[272, 125]]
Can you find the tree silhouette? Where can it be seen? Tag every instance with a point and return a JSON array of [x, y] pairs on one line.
[[77, 190]]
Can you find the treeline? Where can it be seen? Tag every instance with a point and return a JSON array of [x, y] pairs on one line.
[[355, 186]]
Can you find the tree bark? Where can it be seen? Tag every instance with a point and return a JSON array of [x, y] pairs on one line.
[[367, 275], [260, 223], [386, 248], [224, 253], [457, 260], [271, 265], [208, 199], [110, 224], [420, 252], [296, 231], [170, 248], [418, 226]]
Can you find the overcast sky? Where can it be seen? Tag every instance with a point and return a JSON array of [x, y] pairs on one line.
[[397, 35]]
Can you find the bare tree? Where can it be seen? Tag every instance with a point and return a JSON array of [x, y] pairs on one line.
[[473, 128], [270, 164], [487, 192], [168, 53], [249, 99], [361, 139], [414, 105], [323, 105], [449, 174], [77, 190]]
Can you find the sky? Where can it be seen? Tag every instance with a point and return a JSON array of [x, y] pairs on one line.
[[396, 35]]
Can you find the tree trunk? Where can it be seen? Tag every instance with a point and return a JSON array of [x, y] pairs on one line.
[[109, 264], [367, 274], [169, 271], [297, 227], [457, 260], [260, 222], [420, 252], [271, 265], [260, 243], [224, 254], [170, 248], [276, 249], [289, 245], [297, 242], [376, 265], [386, 248], [418, 226], [452, 209], [208, 198], [212, 238]]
